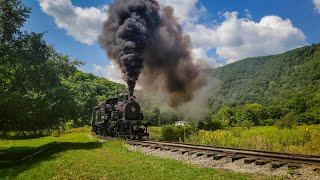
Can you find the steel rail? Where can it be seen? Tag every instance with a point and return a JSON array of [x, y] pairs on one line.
[[274, 156]]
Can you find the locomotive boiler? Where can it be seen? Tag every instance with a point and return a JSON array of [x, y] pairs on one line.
[[119, 117]]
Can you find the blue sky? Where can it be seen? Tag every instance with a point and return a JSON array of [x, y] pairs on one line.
[[221, 31]]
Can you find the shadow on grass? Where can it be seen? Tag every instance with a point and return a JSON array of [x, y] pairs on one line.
[[22, 157]]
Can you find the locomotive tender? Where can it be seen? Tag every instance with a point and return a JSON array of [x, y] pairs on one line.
[[119, 117]]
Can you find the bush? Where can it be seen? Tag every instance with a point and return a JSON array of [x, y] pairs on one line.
[[176, 133], [287, 121], [154, 133]]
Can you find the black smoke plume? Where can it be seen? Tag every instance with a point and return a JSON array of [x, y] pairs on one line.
[[126, 33], [142, 37]]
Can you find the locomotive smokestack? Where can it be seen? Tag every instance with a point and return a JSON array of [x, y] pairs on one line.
[[130, 92]]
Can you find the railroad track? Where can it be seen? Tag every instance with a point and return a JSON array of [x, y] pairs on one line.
[[249, 156]]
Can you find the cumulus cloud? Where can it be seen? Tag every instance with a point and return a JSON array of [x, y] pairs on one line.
[[317, 5], [232, 39], [236, 38], [201, 58], [83, 24], [111, 72], [185, 10]]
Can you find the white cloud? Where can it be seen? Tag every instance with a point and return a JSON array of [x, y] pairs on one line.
[[83, 24], [185, 10], [111, 72], [201, 58], [317, 5], [236, 38], [233, 39]]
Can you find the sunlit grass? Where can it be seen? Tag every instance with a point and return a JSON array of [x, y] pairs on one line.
[[78, 155], [299, 139], [154, 133]]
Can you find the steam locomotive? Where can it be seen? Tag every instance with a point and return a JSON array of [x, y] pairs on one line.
[[119, 117]]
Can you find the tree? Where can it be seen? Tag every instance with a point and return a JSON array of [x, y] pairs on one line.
[[32, 96], [281, 83], [251, 113], [40, 88], [12, 17], [87, 91], [221, 119], [287, 121]]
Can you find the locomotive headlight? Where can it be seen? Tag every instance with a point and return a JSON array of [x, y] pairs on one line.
[[133, 109]]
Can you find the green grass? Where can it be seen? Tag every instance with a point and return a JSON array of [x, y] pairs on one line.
[[154, 133], [77, 156], [299, 139]]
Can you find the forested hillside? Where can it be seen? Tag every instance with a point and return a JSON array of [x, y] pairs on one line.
[[282, 89], [40, 88]]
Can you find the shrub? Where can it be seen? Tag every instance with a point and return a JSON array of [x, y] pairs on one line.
[[176, 133], [154, 133], [287, 121]]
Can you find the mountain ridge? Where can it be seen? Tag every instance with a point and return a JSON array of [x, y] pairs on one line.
[[289, 81]]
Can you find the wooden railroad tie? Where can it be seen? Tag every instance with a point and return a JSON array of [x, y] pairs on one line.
[[294, 166], [276, 165], [261, 162], [192, 152], [199, 154], [249, 160], [218, 156], [209, 155], [234, 158], [183, 151]]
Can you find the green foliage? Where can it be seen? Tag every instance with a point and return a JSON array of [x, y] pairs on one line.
[[154, 133], [152, 115], [88, 90], [287, 121], [176, 133], [256, 92], [32, 96], [12, 17], [157, 118], [251, 113], [298, 139], [262, 90], [246, 116], [221, 119], [40, 88]]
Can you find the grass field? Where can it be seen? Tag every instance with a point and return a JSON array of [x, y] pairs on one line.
[[77, 155], [299, 139]]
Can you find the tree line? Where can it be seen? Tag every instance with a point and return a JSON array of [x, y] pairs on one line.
[[39, 87], [281, 90], [43, 89]]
